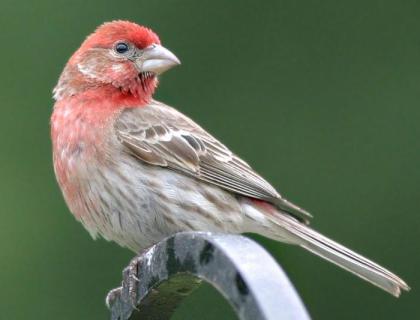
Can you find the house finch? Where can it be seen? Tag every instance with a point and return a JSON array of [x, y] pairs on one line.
[[135, 170]]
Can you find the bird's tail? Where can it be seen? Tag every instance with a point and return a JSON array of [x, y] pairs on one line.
[[286, 228]]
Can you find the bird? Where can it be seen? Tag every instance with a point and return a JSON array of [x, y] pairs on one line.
[[134, 170]]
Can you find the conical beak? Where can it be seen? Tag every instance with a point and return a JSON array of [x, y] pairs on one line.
[[156, 59]]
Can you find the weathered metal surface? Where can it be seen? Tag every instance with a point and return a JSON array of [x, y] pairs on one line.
[[241, 270]]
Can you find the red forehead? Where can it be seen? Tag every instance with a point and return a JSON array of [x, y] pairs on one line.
[[110, 32]]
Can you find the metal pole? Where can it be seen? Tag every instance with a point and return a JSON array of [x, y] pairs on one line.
[[241, 270]]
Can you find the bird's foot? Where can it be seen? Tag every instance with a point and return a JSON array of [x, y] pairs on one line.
[[132, 280]]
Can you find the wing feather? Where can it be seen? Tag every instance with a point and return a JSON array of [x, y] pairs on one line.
[[159, 135]]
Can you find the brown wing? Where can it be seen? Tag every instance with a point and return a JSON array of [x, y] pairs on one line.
[[159, 135]]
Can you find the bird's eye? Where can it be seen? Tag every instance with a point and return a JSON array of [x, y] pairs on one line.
[[121, 47]]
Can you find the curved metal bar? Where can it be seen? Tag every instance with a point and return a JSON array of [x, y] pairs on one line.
[[240, 269]]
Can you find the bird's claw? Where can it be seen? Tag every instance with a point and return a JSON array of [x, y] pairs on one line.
[[112, 296]]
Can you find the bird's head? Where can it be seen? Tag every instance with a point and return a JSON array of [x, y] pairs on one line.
[[119, 55]]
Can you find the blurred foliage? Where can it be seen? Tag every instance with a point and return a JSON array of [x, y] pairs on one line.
[[322, 97]]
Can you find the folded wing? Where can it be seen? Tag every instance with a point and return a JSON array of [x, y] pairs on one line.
[[159, 135]]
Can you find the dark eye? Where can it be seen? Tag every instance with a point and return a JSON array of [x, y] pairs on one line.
[[121, 47]]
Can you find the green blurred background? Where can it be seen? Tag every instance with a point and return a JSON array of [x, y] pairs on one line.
[[322, 97]]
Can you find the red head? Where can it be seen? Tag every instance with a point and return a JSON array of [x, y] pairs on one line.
[[119, 56]]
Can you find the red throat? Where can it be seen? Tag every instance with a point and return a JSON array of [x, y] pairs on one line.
[[135, 90]]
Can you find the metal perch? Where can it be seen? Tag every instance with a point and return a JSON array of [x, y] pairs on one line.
[[241, 270]]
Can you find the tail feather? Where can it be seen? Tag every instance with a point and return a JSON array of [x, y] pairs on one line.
[[334, 252]]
